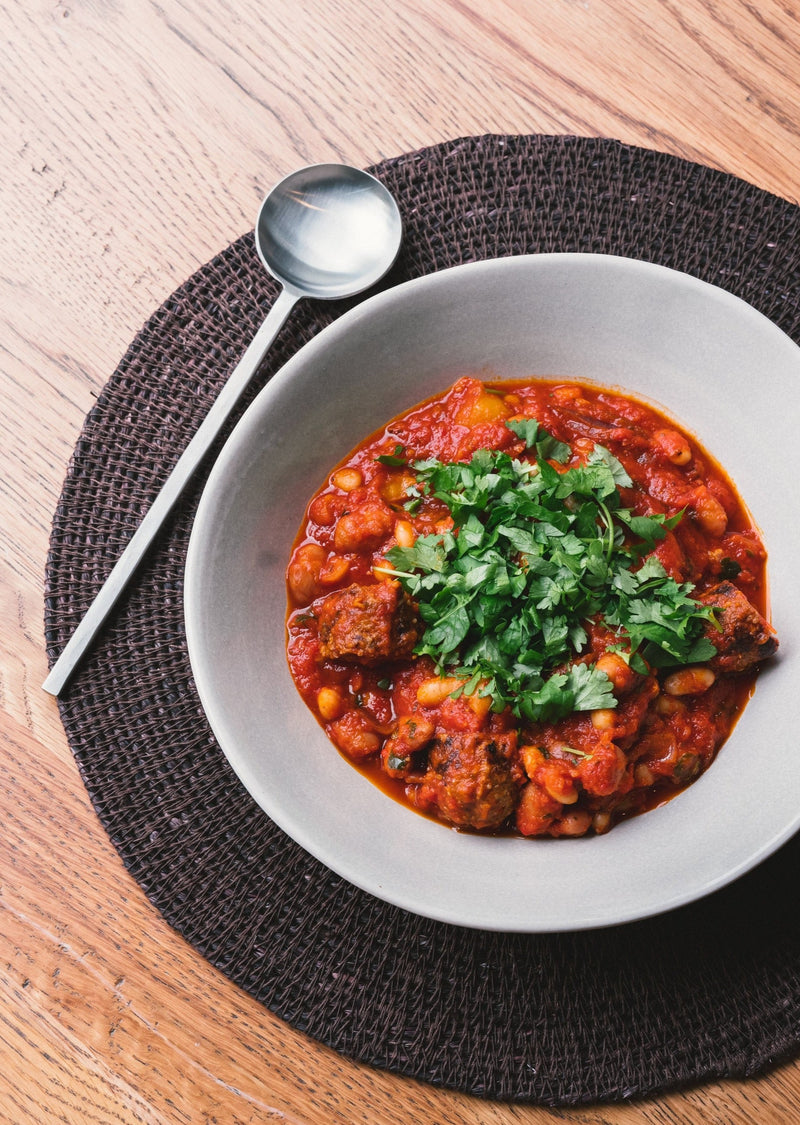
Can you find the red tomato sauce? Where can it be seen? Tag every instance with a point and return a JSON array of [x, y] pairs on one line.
[[352, 632]]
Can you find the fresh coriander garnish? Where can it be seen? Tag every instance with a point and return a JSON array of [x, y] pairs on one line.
[[534, 554], [394, 460], [539, 440]]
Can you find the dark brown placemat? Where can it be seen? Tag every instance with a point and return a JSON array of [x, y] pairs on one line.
[[710, 990]]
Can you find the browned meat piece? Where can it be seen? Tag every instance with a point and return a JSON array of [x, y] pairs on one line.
[[368, 623], [471, 781], [745, 637]]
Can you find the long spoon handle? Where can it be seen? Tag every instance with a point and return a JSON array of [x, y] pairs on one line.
[[173, 486]]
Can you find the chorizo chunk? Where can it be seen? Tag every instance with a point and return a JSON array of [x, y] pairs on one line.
[[368, 623], [471, 781], [744, 637], [365, 528]]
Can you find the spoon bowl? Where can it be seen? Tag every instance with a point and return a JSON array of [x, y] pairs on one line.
[[327, 231]]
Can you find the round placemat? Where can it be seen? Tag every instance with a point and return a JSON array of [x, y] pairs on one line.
[[710, 990]]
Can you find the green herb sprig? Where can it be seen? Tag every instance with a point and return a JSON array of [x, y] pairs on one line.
[[535, 553]]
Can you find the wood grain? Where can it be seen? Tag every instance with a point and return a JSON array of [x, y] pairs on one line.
[[138, 140]]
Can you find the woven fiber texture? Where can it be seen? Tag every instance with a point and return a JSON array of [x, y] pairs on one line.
[[710, 990]]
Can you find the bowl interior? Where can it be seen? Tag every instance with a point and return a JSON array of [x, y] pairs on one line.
[[717, 366]]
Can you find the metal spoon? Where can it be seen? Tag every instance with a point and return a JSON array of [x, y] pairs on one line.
[[327, 231]]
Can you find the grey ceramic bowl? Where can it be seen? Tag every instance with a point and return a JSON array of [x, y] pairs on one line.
[[715, 364]]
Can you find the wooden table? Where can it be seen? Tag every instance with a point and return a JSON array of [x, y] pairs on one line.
[[138, 139]]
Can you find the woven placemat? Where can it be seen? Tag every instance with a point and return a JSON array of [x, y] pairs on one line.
[[710, 990]]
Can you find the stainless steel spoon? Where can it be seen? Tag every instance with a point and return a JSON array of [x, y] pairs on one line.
[[327, 231]]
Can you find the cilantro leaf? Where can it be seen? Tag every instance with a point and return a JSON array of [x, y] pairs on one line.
[[393, 460], [539, 440], [591, 688], [602, 456]]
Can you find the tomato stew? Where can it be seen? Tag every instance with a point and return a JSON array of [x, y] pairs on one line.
[[529, 607]]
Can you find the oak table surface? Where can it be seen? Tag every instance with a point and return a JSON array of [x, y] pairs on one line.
[[138, 138]]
